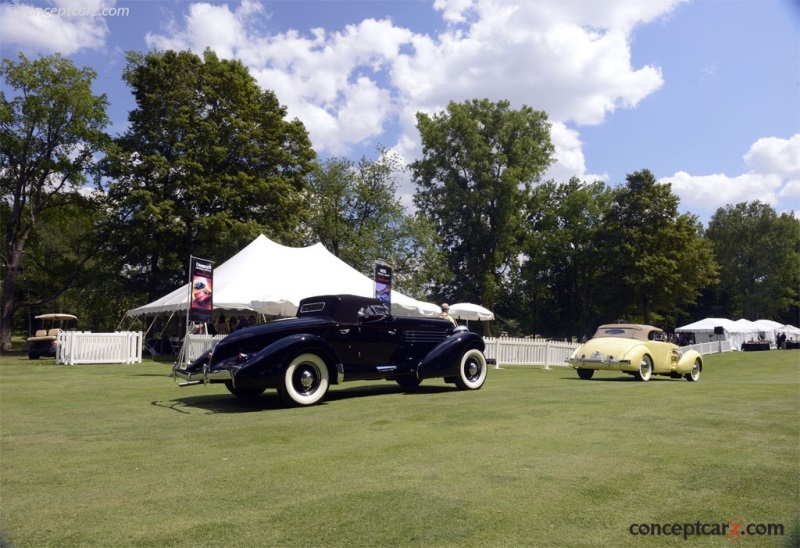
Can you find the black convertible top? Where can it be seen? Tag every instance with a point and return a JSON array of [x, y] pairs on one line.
[[339, 308]]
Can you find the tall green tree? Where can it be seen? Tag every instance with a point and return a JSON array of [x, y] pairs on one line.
[[656, 259], [759, 255], [560, 274], [50, 132], [479, 161], [355, 213], [209, 162], [64, 269]]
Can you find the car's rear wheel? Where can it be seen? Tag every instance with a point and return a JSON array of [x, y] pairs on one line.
[[645, 369], [305, 381], [585, 374], [472, 371], [694, 374], [244, 393], [408, 382]]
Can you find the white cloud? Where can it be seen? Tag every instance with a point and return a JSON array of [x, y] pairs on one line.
[[774, 155], [328, 80], [205, 26], [773, 177], [569, 157], [64, 26], [718, 190], [571, 59], [453, 11]]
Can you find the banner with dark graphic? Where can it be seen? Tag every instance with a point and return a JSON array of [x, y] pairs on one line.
[[383, 283], [201, 301]]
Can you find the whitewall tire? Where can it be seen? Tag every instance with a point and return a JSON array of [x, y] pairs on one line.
[[472, 370], [305, 381]]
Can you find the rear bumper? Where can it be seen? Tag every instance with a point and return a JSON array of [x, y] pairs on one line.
[[204, 377], [601, 365]]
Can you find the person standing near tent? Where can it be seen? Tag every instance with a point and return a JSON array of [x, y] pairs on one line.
[[222, 325], [446, 314]]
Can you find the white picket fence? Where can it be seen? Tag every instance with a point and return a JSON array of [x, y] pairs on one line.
[[77, 347], [711, 347], [522, 351], [515, 351]]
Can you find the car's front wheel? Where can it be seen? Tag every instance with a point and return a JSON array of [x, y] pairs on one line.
[[694, 374], [305, 381], [585, 374], [645, 369], [472, 371]]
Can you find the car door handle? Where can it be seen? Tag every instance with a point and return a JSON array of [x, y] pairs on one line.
[[344, 331]]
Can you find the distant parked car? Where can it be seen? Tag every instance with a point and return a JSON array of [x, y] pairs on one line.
[[45, 340], [638, 350], [334, 339]]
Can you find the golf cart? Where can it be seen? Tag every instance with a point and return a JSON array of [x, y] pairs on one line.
[[44, 342]]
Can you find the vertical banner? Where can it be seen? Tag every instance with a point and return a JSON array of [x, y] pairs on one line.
[[383, 283], [201, 283]]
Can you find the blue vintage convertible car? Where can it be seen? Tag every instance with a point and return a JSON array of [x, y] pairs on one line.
[[338, 338]]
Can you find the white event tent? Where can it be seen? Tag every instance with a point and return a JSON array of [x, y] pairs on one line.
[[791, 332], [269, 278], [738, 331], [770, 329], [756, 331], [703, 331]]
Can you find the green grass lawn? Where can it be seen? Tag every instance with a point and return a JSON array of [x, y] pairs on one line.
[[118, 455]]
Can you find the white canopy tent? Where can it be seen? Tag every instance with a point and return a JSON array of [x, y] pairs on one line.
[[703, 331], [738, 331], [792, 332], [270, 278], [770, 329], [755, 331], [769, 325]]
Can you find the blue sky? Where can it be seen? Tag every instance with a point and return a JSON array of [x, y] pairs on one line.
[[704, 93]]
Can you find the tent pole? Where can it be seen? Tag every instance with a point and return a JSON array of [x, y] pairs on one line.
[[182, 353]]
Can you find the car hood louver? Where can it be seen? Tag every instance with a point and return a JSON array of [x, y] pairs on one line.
[[418, 336]]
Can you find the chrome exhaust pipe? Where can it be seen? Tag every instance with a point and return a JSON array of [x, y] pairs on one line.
[[190, 383]]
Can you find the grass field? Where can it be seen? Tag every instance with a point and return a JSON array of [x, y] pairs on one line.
[[118, 455]]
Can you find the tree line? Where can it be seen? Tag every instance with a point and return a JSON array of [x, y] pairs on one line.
[[96, 224]]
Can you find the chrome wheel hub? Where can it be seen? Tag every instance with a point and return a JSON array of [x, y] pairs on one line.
[[307, 380]]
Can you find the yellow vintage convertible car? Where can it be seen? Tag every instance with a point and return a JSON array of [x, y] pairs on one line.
[[638, 350]]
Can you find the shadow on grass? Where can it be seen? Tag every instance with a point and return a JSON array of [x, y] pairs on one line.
[[626, 378], [271, 401]]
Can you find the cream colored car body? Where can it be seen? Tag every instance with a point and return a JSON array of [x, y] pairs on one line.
[[636, 349]]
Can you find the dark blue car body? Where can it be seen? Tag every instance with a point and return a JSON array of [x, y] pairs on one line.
[[334, 339]]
